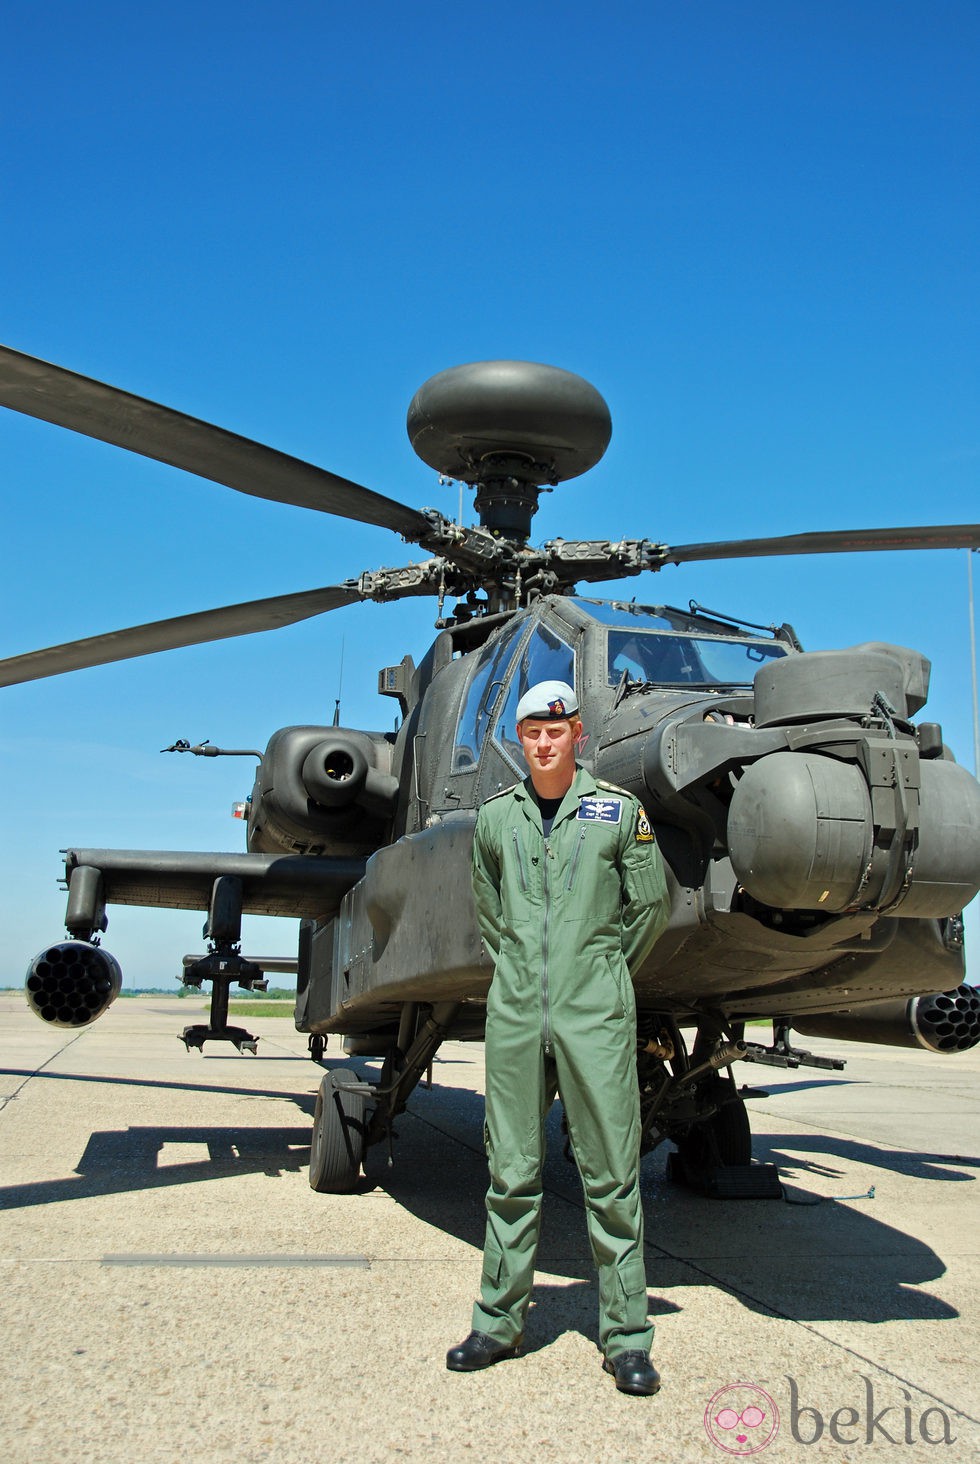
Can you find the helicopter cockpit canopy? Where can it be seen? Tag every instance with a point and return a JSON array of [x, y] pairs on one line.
[[653, 645], [663, 648], [544, 656]]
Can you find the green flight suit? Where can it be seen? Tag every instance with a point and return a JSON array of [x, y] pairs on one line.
[[566, 919]]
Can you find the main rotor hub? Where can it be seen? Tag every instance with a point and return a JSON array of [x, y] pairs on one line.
[[507, 428], [506, 505]]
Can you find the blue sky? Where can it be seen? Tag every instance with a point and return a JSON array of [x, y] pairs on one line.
[[753, 227]]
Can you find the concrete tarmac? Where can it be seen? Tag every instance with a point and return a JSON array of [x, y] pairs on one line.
[[173, 1290]]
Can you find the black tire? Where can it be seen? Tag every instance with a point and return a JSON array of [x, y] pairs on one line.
[[724, 1138], [675, 1168], [733, 1133], [318, 1046], [337, 1146]]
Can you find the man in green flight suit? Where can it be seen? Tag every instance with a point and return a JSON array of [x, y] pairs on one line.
[[570, 897]]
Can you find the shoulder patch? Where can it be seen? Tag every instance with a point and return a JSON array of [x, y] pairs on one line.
[[644, 833], [613, 787]]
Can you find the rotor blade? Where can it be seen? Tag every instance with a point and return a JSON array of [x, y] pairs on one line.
[[834, 541], [53, 394], [182, 630]]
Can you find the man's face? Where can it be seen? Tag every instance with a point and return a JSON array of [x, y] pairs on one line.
[[549, 747]]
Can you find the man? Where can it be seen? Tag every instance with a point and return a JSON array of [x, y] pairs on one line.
[[570, 896]]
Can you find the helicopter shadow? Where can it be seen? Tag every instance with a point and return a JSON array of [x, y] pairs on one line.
[[811, 1154], [812, 1259], [819, 1261], [776, 1090], [120, 1161]]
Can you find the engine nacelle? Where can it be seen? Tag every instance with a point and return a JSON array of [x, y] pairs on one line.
[[70, 984], [947, 1022], [323, 790]]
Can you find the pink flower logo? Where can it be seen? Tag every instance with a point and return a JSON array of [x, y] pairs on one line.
[[741, 1418]]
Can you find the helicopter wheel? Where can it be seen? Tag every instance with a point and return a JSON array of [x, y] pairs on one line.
[[317, 1048], [337, 1146], [724, 1138]]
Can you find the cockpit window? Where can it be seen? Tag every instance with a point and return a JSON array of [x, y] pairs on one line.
[[481, 698], [614, 612], [665, 659], [546, 657]]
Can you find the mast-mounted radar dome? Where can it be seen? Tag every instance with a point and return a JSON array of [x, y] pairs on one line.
[[507, 428]]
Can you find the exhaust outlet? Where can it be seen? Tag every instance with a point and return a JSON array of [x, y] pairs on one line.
[[70, 984]]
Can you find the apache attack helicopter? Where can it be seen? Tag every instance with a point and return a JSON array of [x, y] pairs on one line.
[[820, 842]]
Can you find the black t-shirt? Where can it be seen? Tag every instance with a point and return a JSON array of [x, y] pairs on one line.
[[549, 809]]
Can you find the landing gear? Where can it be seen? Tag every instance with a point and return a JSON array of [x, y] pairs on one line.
[[317, 1046], [343, 1128], [724, 1138], [339, 1133], [693, 1101]]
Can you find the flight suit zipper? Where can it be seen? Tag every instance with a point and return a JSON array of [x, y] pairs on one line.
[[545, 998]]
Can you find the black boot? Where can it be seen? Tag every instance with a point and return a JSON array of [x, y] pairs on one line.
[[478, 1351], [633, 1371]]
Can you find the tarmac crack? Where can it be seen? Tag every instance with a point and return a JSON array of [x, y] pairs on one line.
[[741, 1293], [47, 1062]]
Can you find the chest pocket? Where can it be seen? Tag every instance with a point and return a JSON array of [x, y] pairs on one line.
[[591, 882], [520, 859], [575, 860]]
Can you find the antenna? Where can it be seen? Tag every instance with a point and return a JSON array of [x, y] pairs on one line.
[[340, 685], [973, 662]]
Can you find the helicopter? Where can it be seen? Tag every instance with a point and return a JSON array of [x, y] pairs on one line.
[[820, 842]]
